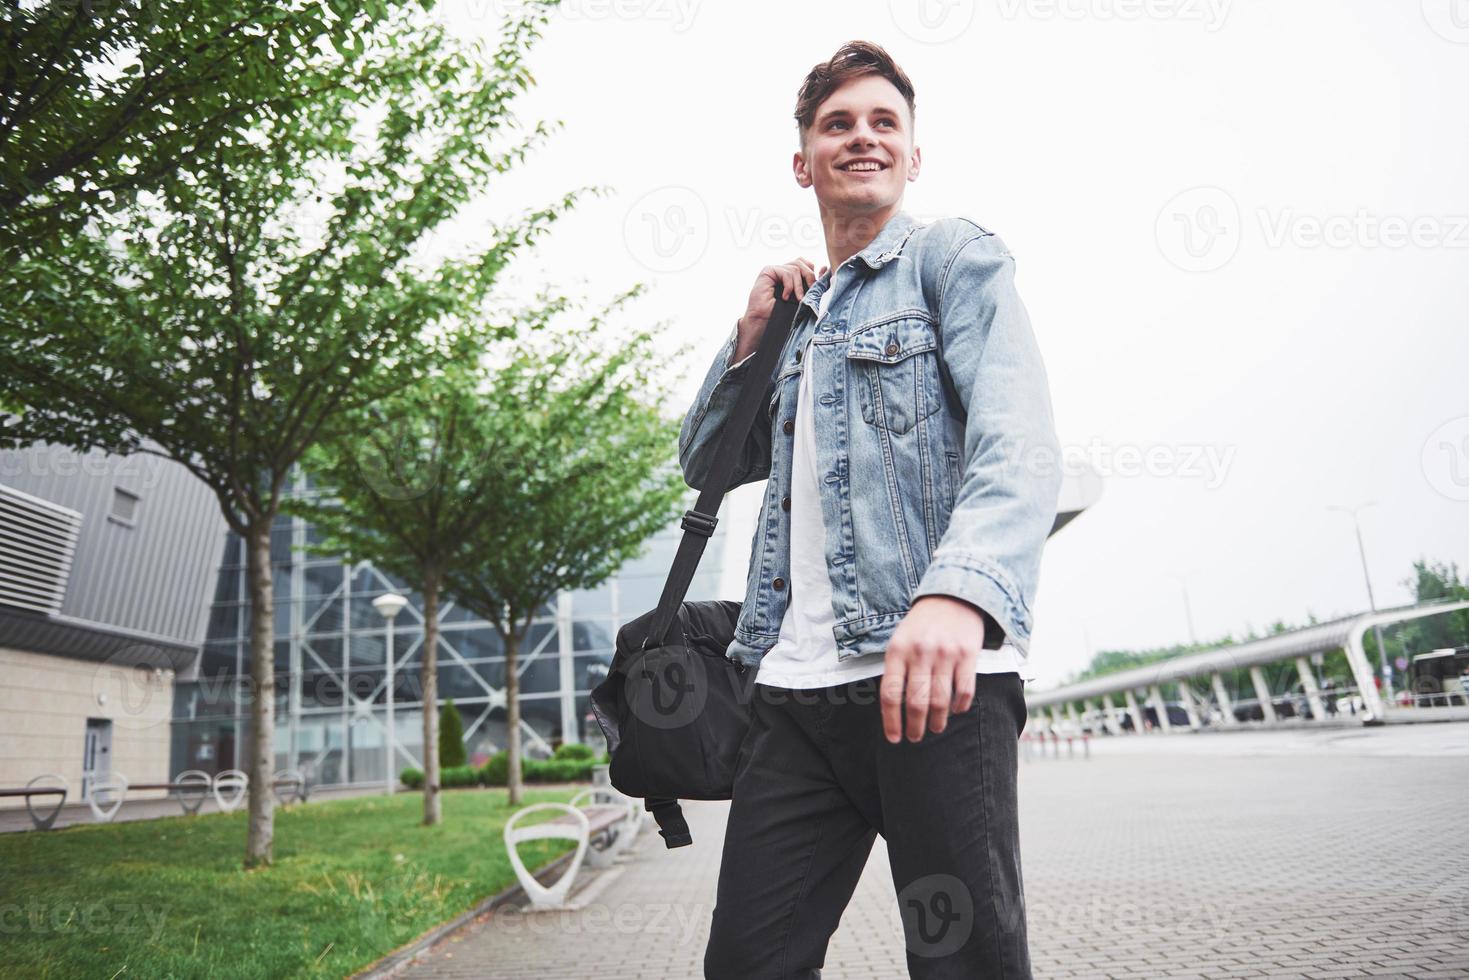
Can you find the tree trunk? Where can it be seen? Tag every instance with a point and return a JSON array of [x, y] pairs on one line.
[[512, 716], [261, 757], [432, 813]]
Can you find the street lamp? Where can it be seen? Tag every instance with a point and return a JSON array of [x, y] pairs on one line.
[[389, 604], [1188, 611], [1371, 603]]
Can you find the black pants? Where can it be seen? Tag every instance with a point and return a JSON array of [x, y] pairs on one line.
[[817, 781]]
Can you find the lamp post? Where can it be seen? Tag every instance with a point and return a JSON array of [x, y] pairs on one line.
[[1371, 602], [1188, 611], [389, 604]]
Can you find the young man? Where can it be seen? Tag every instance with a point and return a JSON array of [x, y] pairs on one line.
[[913, 472]]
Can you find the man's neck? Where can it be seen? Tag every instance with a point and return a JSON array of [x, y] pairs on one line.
[[849, 233]]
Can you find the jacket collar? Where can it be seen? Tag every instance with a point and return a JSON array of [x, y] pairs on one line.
[[886, 246], [890, 241]]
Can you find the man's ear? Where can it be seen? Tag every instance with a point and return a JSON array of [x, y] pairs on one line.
[[915, 163], [798, 167]]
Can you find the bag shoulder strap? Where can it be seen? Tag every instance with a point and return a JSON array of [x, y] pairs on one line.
[[698, 524]]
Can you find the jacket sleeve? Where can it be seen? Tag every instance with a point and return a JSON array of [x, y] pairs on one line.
[[699, 437], [1005, 505]]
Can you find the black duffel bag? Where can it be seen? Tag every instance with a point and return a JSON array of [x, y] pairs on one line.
[[673, 707]]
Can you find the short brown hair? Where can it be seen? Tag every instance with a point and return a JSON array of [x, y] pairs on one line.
[[852, 60]]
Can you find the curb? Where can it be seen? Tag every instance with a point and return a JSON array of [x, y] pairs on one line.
[[403, 956]]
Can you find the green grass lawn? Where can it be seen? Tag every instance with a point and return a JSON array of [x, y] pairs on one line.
[[353, 880]]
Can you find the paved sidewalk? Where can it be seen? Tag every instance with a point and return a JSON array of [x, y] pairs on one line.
[[1332, 859]]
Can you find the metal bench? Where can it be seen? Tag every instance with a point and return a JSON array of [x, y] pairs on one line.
[[582, 825], [41, 821], [607, 847], [191, 787], [229, 789], [290, 786], [105, 795]]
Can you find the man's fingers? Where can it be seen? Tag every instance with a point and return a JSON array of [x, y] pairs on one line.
[[890, 696], [938, 705], [790, 283], [964, 682], [920, 690]]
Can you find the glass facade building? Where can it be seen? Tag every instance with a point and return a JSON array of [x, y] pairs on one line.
[[333, 697]]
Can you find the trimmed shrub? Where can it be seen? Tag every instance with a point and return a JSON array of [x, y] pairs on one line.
[[455, 777], [412, 778], [496, 772], [557, 770], [574, 750], [451, 737]]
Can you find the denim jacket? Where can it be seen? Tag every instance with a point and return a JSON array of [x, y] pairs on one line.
[[919, 496]]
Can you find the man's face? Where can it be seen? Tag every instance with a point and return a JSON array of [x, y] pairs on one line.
[[865, 119]]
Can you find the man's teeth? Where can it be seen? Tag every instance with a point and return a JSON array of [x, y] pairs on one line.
[[863, 166]]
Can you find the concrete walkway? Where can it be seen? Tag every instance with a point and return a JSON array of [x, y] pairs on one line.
[[1311, 856]]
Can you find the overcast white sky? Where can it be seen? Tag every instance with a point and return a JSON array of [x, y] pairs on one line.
[[1241, 229]]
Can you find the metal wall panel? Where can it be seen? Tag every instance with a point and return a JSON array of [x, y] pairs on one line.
[[152, 578]]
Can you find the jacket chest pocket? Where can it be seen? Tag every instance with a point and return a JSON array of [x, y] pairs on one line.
[[894, 372]]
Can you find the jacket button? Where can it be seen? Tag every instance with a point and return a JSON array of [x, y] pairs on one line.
[[798, 357], [779, 583], [785, 503], [788, 427], [890, 349]]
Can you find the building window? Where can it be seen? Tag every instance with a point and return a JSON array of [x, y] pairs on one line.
[[124, 507]]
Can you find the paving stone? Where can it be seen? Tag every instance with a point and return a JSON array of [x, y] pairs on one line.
[[1138, 866]]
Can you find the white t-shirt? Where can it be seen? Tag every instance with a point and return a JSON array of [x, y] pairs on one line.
[[805, 655]]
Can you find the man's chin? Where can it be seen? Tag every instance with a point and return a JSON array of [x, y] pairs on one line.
[[856, 204]]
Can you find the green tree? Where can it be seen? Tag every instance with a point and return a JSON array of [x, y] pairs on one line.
[[583, 472], [217, 324], [411, 480], [405, 488], [451, 735], [1434, 581], [101, 100]]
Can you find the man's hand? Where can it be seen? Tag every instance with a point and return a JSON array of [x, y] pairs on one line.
[[792, 279], [932, 656]]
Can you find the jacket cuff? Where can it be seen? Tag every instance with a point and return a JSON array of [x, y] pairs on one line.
[[727, 352], [983, 586]]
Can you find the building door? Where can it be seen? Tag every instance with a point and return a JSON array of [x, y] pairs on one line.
[[97, 754]]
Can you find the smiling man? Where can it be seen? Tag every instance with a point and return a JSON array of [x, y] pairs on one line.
[[912, 473]]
